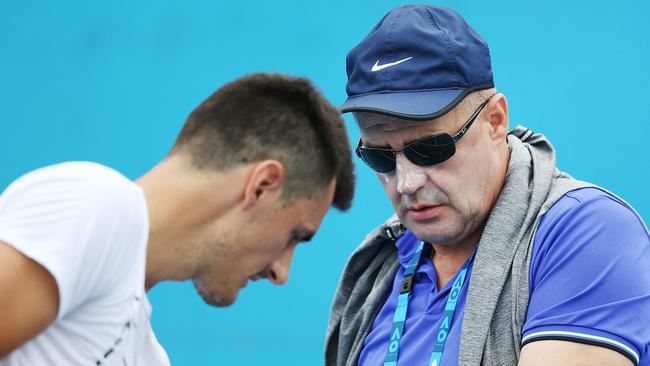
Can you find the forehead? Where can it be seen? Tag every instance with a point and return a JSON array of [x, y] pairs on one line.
[[369, 120], [375, 126]]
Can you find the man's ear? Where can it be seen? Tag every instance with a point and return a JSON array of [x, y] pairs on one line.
[[497, 115], [265, 180]]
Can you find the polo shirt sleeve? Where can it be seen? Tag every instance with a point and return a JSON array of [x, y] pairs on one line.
[[590, 276]]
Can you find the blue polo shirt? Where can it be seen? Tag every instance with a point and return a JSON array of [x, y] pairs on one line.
[[589, 283]]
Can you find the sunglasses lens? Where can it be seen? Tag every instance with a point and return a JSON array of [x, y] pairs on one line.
[[431, 151], [381, 161]]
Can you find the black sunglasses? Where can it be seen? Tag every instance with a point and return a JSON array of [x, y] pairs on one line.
[[428, 151]]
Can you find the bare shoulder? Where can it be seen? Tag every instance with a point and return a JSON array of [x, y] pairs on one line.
[[557, 352], [28, 298]]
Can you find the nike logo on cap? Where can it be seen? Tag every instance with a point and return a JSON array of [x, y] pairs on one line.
[[376, 67]]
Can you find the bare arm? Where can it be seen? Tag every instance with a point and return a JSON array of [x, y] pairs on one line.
[[566, 353], [29, 299]]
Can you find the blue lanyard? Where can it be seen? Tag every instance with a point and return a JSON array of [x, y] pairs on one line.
[[399, 318]]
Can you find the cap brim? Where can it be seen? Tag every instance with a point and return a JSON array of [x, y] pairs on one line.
[[420, 105]]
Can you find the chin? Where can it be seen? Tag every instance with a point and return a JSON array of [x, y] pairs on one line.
[[434, 232], [218, 298]]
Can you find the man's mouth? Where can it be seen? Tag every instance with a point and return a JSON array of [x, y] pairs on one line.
[[422, 212]]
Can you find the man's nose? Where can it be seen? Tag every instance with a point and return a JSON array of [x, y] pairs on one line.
[[410, 177], [278, 271]]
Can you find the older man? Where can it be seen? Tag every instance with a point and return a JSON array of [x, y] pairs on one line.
[[495, 257], [252, 173]]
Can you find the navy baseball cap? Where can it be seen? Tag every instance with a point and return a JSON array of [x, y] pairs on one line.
[[417, 63]]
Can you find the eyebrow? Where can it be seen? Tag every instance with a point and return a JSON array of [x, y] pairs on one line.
[[388, 147], [304, 236], [364, 144], [406, 143]]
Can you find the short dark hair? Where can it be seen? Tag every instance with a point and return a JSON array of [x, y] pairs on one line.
[[272, 116]]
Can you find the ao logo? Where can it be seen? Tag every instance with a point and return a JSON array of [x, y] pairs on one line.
[[394, 341]]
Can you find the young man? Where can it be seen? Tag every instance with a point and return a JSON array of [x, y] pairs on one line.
[[252, 173], [494, 257]]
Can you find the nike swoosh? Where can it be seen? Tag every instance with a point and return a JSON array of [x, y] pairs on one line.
[[376, 67]]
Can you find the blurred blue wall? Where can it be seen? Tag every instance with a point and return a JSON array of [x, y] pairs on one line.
[[112, 82]]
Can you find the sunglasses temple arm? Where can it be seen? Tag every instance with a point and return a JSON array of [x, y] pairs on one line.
[[467, 125], [471, 119]]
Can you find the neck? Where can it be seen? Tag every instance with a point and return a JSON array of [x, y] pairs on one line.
[[448, 259], [181, 202]]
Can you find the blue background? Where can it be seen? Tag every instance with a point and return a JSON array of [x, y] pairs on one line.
[[112, 82]]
